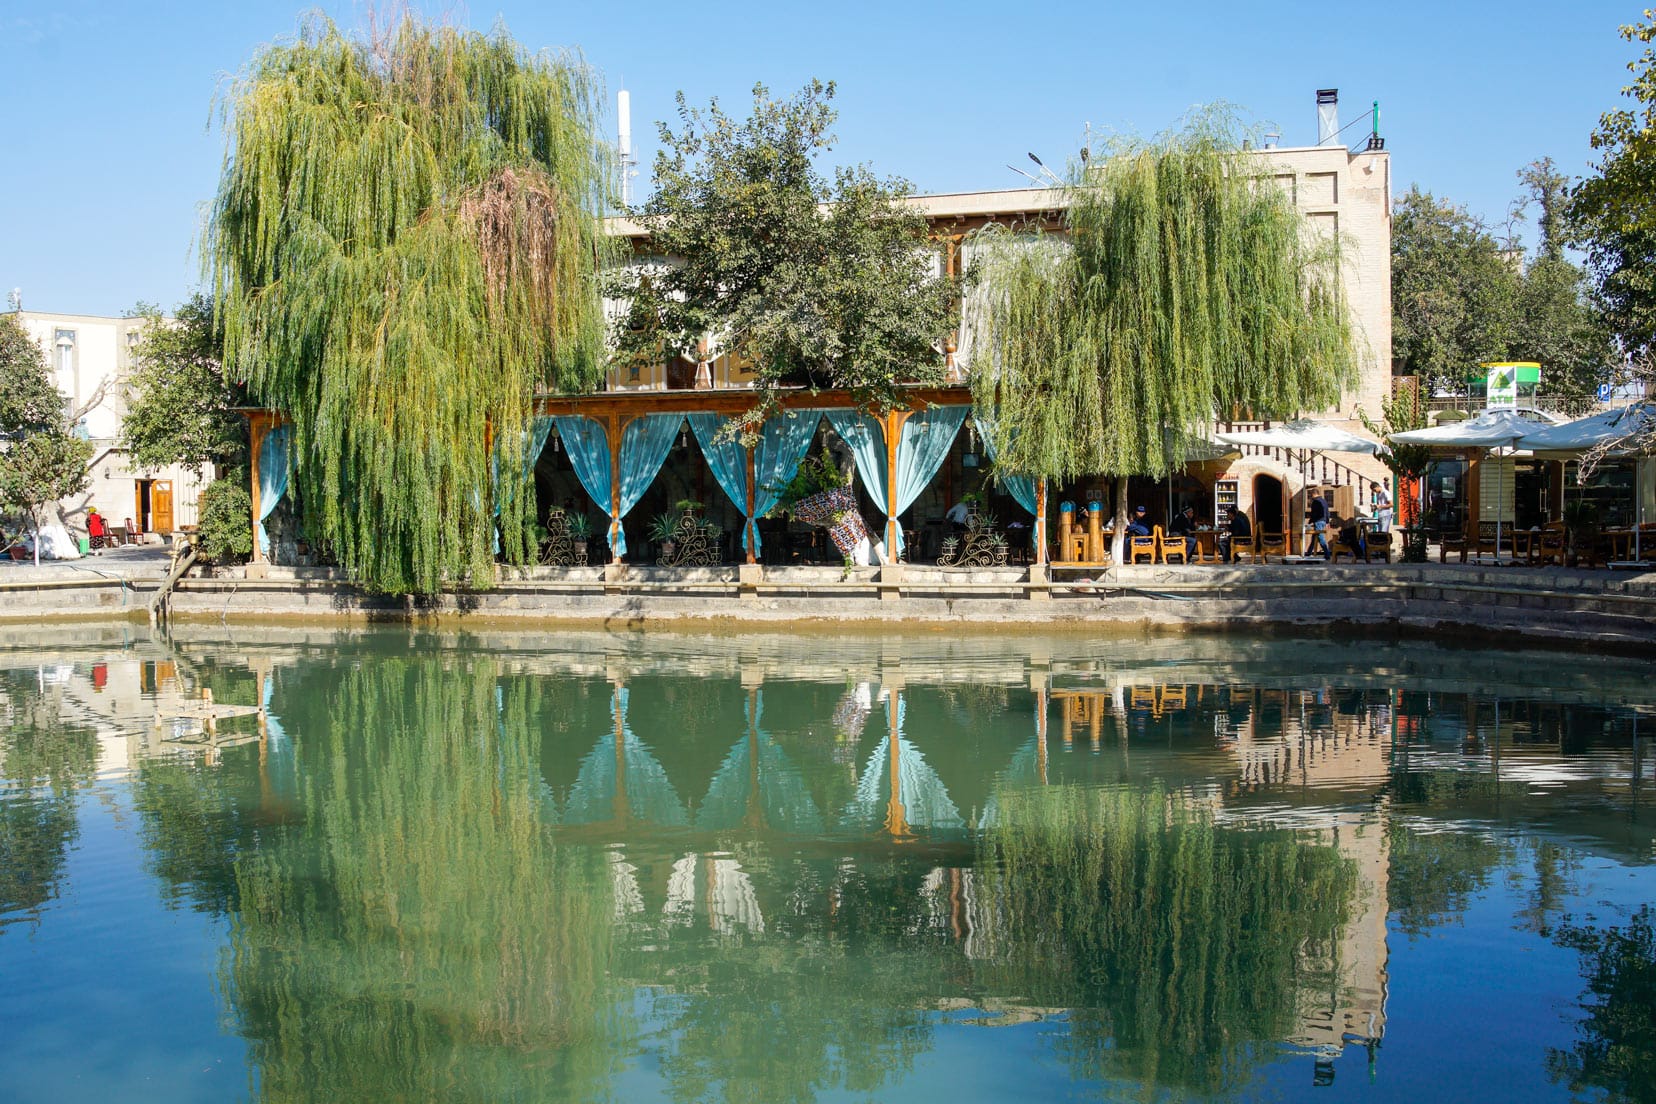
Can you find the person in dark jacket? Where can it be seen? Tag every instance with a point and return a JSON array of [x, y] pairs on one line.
[[1238, 526], [1140, 525], [1317, 515], [1184, 525]]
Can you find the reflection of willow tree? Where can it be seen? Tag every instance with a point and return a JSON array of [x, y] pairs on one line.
[[1616, 1051], [1435, 873], [43, 759], [1179, 945], [835, 996], [418, 936]]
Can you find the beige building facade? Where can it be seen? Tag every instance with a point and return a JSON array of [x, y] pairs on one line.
[[90, 357]]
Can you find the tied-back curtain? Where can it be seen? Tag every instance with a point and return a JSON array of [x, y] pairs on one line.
[[587, 445], [922, 445], [534, 440], [866, 441], [1020, 487], [645, 444], [727, 458], [275, 462], [776, 458]]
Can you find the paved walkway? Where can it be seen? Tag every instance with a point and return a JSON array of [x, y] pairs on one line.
[[128, 561]]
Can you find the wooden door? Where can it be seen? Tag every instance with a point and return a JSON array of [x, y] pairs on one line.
[[161, 505]]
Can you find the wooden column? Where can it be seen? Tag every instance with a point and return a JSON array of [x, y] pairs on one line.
[[893, 427], [751, 533], [615, 427], [1040, 521], [258, 425]]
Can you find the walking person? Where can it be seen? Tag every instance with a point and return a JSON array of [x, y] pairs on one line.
[[1318, 517]]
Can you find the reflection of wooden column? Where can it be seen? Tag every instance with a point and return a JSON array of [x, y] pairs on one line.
[[896, 822], [752, 532], [1040, 521], [1041, 733], [618, 805]]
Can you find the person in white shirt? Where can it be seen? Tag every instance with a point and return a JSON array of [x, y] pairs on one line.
[[1382, 509], [956, 516]]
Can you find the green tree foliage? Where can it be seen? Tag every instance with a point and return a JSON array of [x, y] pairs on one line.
[[225, 525], [404, 248], [43, 761], [41, 460], [1616, 1051], [1454, 292], [1404, 410], [1613, 211], [180, 402], [819, 282], [1186, 284], [1179, 945], [1559, 322]]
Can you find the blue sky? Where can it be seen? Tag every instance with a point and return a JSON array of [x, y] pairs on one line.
[[109, 156]]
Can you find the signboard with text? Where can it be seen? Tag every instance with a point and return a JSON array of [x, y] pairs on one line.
[[1510, 383]]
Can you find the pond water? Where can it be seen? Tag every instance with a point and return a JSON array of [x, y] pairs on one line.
[[602, 866]]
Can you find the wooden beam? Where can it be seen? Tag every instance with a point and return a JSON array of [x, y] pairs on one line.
[[730, 402]]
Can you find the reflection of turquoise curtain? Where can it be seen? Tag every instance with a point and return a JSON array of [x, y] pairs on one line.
[[727, 458], [275, 462], [588, 447], [758, 776], [603, 775], [645, 444], [281, 763], [926, 801], [1020, 487]]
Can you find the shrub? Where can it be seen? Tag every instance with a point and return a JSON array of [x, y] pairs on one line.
[[225, 527]]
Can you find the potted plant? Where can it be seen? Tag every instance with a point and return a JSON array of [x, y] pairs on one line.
[[580, 531], [664, 530]]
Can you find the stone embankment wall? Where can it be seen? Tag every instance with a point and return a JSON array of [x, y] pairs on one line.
[[1489, 605]]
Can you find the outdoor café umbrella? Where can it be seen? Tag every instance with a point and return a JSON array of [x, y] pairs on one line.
[[1492, 430], [1614, 432], [1302, 437]]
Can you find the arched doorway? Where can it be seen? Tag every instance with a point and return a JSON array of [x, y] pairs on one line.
[[1267, 503]]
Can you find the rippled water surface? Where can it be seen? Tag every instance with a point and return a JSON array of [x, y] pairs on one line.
[[596, 866]]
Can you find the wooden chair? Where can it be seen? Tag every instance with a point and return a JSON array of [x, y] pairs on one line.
[[1487, 540], [1338, 547], [1551, 547], [1452, 541], [1272, 544], [1244, 546], [1167, 547], [1378, 544], [1143, 546]]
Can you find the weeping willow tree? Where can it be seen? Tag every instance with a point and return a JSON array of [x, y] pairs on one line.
[[405, 246], [1185, 283]]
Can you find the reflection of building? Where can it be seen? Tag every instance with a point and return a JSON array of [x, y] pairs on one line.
[[90, 358]]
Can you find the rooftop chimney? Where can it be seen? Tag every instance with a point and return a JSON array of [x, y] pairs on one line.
[[1328, 116]]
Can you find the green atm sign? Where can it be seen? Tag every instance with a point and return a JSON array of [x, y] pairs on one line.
[[1507, 384]]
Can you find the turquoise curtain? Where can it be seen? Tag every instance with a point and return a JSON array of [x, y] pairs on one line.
[[776, 458], [922, 445], [645, 444], [728, 459], [534, 440], [1020, 487], [275, 463], [864, 437], [588, 447]]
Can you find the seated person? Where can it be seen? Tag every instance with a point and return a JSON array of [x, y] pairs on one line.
[[1348, 533], [957, 516], [1139, 526], [1238, 526], [1184, 525]]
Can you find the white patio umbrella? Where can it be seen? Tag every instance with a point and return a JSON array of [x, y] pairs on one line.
[[1609, 429], [1303, 437], [1492, 430]]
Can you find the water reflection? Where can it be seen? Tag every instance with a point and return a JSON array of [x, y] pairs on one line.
[[593, 865]]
